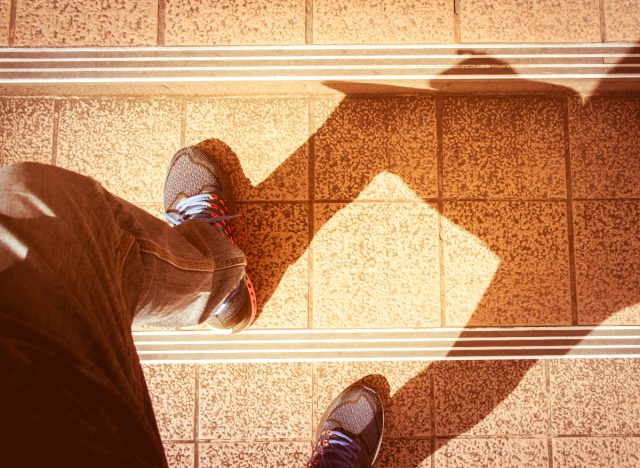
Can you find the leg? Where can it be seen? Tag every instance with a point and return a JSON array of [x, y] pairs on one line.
[[77, 265]]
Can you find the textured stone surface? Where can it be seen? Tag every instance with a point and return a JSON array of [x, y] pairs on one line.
[[274, 238], [77, 23], [251, 454], [173, 390], [375, 265], [490, 398], [361, 138], [404, 387], [607, 250], [395, 453], [262, 143], [596, 397], [622, 20], [180, 455], [503, 147], [605, 154], [26, 130], [527, 21], [5, 13], [579, 452], [125, 144], [208, 22], [528, 281], [490, 453], [255, 402], [373, 22]]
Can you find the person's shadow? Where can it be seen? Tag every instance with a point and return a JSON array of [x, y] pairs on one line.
[[533, 281]]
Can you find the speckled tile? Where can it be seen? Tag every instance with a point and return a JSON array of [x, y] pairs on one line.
[[375, 265], [595, 396], [245, 402], [607, 246], [173, 390], [503, 147], [579, 452], [527, 21], [77, 23], [622, 20], [396, 453], [274, 238], [126, 144], [528, 284], [180, 455], [404, 387], [489, 453], [153, 208], [362, 139], [5, 13], [261, 143], [26, 130], [398, 22], [490, 398], [228, 22], [605, 154], [251, 454]]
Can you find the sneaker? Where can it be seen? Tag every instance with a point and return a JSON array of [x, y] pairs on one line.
[[196, 188], [350, 431]]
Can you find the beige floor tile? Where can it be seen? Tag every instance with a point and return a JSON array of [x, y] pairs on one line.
[[26, 130], [622, 20], [503, 147], [252, 454], [595, 397], [255, 402], [506, 264], [261, 143], [376, 265], [396, 453], [605, 154], [404, 387], [173, 391], [607, 246], [527, 21], [274, 238], [367, 22], [153, 208], [125, 144], [180, 455], [5, 13], [490, 398], [579, 452], [490, 453], [207, 22], [362, 139], [77, 23]]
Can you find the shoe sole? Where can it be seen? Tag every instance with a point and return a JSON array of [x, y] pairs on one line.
[[254, 306]]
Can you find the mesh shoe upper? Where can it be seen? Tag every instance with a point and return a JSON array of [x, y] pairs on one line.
[[357, 413]]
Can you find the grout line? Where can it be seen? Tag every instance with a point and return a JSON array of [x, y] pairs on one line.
[[547, 385], [183, 122], [311, 163], [457, 25], [196, 419], [162, 21], [314, 396], [12, 22], [56, 132], [603, 23], [308, 22], [440, 202], [432, 379], [570, 230]]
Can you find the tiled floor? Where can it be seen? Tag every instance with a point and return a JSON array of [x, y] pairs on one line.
[[203, 22], [389, 212], [454, 414]]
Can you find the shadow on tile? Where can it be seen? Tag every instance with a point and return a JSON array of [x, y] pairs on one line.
[[528, 238]]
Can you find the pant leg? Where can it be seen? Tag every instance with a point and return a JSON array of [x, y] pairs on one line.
[[77, 266]]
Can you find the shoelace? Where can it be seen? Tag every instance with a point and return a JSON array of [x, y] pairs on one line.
[[206, 207], [334, 449]]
